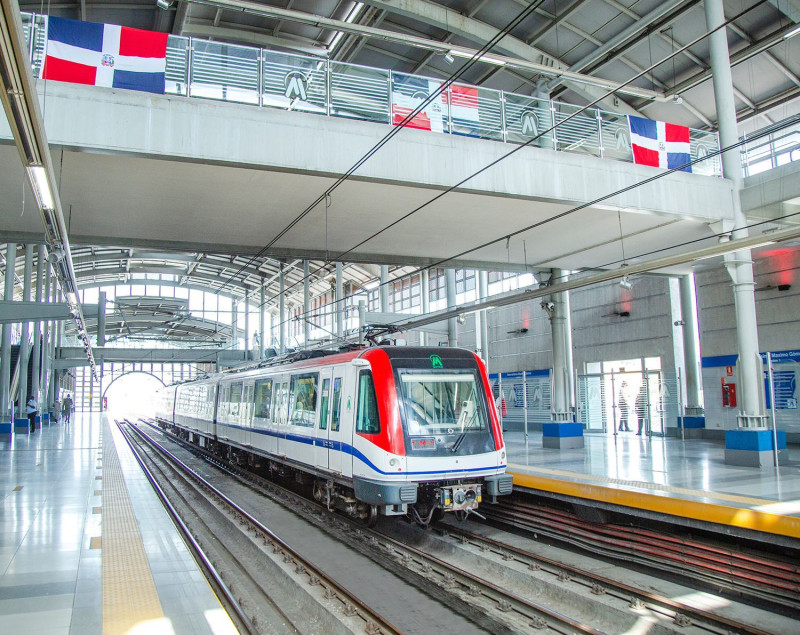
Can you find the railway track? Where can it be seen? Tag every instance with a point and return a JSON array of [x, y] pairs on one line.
[[193, 496], [751, 575], [499, 610]]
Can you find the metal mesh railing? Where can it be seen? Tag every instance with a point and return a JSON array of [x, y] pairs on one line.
[[772, 149], [227, 72]]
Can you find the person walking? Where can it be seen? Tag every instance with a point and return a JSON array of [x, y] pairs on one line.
[[622, 403], [641, 409], [66, 408], [31, 408]]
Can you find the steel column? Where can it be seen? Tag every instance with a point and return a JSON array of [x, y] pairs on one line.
[[25, 348], [562, 343], [247, 324], [6, 411], [262, 320], [452, 324], [101, 319], [306, 304], [339, 302], [282, 310], [384, 288], [483, 293], [425, 294], [37, 329]]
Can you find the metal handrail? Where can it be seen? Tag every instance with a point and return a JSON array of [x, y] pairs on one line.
[[755, 155], [289, 81]]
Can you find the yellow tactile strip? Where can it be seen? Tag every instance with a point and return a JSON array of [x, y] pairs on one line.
[[709, 512], [129, 592]]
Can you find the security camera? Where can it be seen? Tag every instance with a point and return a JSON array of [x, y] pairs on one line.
[[548, 306]]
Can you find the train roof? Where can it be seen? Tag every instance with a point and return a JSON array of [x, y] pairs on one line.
[[320, 357]]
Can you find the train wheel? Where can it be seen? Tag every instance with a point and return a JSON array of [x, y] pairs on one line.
[[372, 516]]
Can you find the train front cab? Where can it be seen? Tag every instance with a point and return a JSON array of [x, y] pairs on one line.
[[426, 439]]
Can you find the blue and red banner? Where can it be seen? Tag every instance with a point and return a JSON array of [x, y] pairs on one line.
[[105, 55], [660, 144]]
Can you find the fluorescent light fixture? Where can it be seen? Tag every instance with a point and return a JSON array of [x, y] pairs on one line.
[[449, 58], [164, 4], [41, 187], [792, 33], [470, 54]]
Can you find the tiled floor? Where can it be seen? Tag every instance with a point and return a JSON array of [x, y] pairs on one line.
[[51, 569]]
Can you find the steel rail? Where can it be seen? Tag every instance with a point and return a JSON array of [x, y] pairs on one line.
[[779, 581], [771, 573], [658, 602], [365, 611], [199, 554], [449, 574]]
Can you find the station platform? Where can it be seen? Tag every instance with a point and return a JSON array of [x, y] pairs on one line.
[[687, 480], [86, 546]]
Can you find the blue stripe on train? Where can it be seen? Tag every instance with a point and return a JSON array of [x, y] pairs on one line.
[[347, 449]]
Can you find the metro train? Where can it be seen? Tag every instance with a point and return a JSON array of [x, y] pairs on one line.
[[381, 430]]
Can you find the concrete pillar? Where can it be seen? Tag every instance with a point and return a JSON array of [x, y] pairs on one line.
[[262, 320], [563, 433], [282, 310], [101, 318], [25, 348], [739, 264], [247, 324], [306, 304], [6, 411], [452, 323], [691, 345], [483, 293], [384, 288], [339, 307], [37, 330], [557, 310]]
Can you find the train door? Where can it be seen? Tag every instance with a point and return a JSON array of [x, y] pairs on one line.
[[247, 414], [338, 455], [345, 415], [322, 441]]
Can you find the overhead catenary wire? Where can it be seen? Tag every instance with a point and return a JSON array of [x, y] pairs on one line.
[[516, 21], [495, 162]]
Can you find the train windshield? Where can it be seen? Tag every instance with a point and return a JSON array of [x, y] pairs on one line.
[[441, 403]]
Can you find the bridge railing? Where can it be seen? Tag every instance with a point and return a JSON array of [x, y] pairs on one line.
[[771, 149], [265, 78]]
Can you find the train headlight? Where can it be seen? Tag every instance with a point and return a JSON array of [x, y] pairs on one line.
[[503, 455], [394, 462]]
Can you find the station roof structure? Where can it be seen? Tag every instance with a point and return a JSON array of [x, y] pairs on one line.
[[595, 41]]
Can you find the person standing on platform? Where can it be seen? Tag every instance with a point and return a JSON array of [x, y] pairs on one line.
[[31, 408], [641, 409], [66, 408], [622, 402]]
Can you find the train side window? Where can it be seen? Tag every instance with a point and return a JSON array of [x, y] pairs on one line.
[[337, 403], [323, 404], [368, 421], [235, 399], [263, 398], [282, 403], [247, 403], [223, 399], [303, 399]]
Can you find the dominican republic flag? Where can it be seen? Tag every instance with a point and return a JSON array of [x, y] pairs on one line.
[[408, 92], [464, 110], [105, 55], [660, 144]]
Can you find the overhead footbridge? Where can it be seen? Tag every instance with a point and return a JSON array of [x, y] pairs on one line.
[[194, 171]]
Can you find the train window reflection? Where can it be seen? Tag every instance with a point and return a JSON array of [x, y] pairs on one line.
[[368, 421], [263, 398], [304, 399], [323, 408], [337, 403], [441, 403]]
